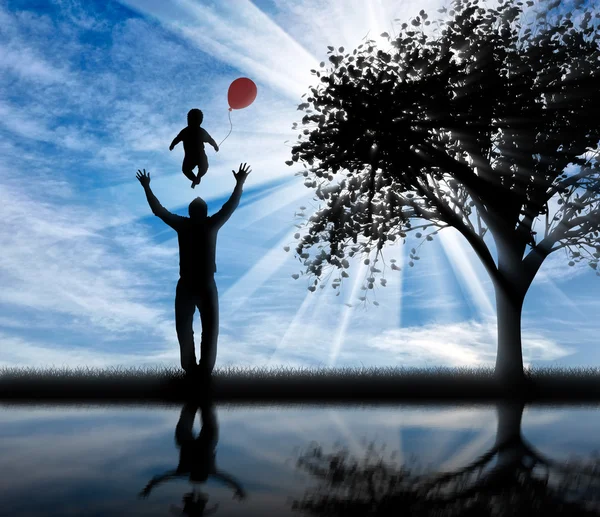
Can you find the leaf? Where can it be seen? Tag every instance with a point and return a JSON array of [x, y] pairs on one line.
[[348, 304], [295, 276], [286, 248], [418, 235], [384, 35], [376, 304], [411, 263]]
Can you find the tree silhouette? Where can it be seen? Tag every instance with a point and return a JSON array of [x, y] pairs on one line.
[[485, 123], [521, 481]]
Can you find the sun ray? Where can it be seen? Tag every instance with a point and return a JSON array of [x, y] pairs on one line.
[[314, 302], [270, 204], [238, 293], [461, 264], [354, 445], [439, 303], [475, 447], [293, 326], [398, 283], [558, 293], [340, 333], [240, 34]]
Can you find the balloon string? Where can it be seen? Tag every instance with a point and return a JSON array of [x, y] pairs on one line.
[[231, 127]]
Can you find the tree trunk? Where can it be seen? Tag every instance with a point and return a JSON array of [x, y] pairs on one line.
[[509, 423], [509, 458], [509, 358]]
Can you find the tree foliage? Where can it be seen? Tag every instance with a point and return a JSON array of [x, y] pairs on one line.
[[481, 122]]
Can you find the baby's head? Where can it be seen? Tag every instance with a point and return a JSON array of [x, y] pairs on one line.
[[195, 117], [198, 209]]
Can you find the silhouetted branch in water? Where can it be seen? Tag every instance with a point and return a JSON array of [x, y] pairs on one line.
[[514, 484]]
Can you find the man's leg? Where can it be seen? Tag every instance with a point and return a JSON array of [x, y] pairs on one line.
[[184, 429], [184, 319], [208, 304]]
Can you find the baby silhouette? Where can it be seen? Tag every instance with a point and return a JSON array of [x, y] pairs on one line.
[[193, 137]]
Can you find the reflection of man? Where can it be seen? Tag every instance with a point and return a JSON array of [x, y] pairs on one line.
[[197, 236], [196, 459]]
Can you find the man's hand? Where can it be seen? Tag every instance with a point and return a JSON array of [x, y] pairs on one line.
[[171, 147], [216, 148], [242, 173], [144, 178]]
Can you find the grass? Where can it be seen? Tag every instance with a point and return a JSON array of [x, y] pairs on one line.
[[234, 384]]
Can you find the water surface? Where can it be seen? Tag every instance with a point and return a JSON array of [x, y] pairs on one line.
[[75, 461]]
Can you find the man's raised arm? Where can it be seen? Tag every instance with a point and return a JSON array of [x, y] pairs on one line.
[[157, 480], [232, 203], [155, 206]]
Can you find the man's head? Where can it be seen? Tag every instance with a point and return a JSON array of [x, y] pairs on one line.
[[195, 117], [198, 209]]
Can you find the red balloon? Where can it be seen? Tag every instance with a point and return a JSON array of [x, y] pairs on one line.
[[241, 94]]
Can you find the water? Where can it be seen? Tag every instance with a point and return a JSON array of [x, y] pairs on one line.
[[95, 461]]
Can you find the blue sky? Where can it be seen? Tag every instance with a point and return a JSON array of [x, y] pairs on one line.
[[92, 91]]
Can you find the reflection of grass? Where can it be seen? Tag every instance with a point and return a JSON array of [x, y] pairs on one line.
[[289, 384]]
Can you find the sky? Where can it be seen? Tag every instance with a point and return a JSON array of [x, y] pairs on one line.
[[92, 91]]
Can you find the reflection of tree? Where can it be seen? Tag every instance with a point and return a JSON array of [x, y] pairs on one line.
[[520, 480]]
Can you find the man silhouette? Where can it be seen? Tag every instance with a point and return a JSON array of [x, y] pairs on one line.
[[197, 458], [197, 236]]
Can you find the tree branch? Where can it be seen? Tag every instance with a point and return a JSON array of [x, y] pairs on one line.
[[476, 242]]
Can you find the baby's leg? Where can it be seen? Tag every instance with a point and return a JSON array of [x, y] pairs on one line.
[[202, 165], [188, 169], [202, 168]]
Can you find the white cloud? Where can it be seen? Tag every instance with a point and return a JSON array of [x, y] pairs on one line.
[[459, 344]]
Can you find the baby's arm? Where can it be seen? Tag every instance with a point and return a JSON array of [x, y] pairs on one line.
[[176, 140], [209, 139]]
